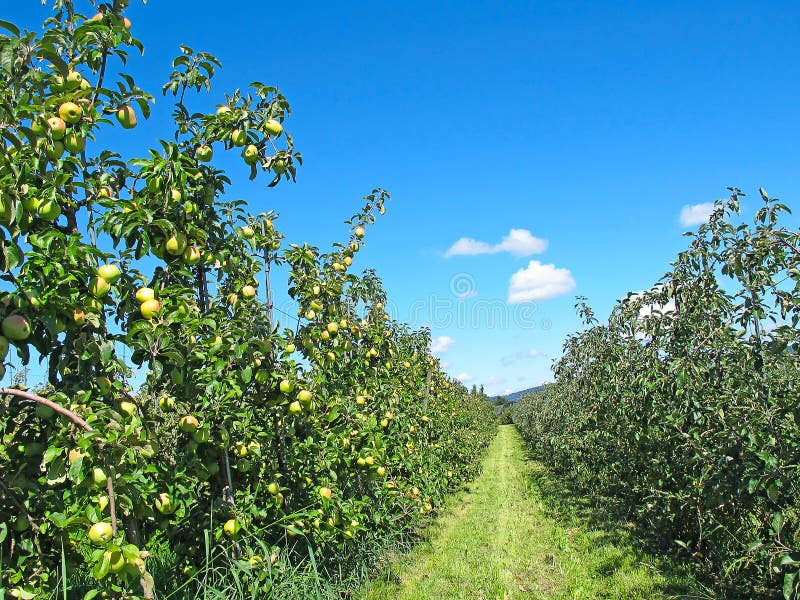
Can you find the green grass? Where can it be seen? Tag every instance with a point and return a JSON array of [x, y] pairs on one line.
[[516, 533]]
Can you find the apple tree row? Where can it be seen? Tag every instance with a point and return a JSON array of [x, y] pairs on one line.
[[274, 443], [684, 404]]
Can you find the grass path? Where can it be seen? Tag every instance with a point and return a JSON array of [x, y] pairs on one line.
[[510, 535]]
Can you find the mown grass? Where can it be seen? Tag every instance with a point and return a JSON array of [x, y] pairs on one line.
[[517, 533]]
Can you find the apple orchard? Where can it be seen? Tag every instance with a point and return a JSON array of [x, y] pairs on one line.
[[271, 446]]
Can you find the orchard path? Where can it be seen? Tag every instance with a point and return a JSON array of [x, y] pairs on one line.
[[513, 534]]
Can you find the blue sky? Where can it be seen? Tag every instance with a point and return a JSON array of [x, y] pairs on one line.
[[584, 127]]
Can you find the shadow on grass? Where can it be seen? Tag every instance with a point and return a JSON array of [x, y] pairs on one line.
[[613, 539]]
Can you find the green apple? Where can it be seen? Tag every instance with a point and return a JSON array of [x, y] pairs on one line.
[[103, 384], [144, 294], [248, 291], [176, 244], [295, 408], [326, 492], [290, 348], [54, 151], [304, 396], [78, 316], [250, 154], [58, 128], [247, 232], [273, 488], [74, 80], [99, 287], [126, 116], [128, 408], [204, 153], [101, 533], [189, 424], [176, 195], [149, 308], [38, 127], [166, 403], [109, 272], [278, 166], [49, 210], [333, 328], [16, 328], [70, 112], [74, 142], [164, 504], [359, 231], [3, 347], [239, 137], [223, 110], [273, 127], [231, 527], [116, 561], [192, 256], [286, 386], [99, 478], [202, 435]]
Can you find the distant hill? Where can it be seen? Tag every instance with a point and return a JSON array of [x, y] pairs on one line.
[[515, 396]]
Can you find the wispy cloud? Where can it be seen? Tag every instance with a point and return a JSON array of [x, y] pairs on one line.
[[441, 344], [510, 359], [696, 214], [519, 242], [464, 377], [539, 282]]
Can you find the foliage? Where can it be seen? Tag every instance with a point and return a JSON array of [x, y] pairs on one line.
[[684, 405], [248, 444]]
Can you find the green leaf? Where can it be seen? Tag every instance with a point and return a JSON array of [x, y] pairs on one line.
[[106, 351], [8, 26], [56, 60], [788, 585], [51, 453]]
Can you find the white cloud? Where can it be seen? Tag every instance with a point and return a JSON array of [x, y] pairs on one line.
[[534, 352], [647, 310], [696, 214], [519, 242], [539, 282], [464, 377], [468, 246], [445, 365], [495, 380], [510, 359], [441, 344]]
